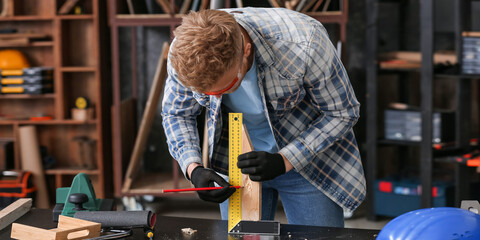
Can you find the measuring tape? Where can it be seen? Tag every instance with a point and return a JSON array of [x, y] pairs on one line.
[[235, 175]]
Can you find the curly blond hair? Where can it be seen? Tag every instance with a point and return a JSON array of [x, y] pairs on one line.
[[207, 44]]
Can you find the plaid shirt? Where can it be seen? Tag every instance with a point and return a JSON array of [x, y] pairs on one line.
[[307, 93]]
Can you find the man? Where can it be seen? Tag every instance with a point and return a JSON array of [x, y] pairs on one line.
[[279, 68]]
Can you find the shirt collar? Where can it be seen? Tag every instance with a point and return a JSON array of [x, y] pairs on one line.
[[259, 44]]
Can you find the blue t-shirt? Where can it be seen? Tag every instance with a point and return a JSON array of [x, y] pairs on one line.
[[247, 100]]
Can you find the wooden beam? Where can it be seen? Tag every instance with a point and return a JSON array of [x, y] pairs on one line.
[[251, 191], [14, 211]]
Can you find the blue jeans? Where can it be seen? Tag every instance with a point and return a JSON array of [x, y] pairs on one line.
[[302, 202]]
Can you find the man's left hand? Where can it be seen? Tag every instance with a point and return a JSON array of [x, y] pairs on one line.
[[261, 166]]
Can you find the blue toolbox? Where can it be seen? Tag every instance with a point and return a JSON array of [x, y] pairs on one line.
[[394, 197]]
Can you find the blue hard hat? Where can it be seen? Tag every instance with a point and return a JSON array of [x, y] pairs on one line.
[[433, 223]]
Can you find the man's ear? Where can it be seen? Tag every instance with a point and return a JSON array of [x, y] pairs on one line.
[[248, 49]]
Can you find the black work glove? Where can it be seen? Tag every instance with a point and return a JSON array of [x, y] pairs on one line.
[[261, 166], [204, 177]]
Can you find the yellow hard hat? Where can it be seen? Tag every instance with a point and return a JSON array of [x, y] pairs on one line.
[[12, 59]]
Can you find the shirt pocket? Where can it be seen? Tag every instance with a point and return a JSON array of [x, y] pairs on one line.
[[285, 96]]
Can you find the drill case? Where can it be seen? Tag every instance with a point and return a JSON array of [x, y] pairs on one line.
[[15, 185]]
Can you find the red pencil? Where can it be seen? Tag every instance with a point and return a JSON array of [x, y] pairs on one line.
[[195, 189]]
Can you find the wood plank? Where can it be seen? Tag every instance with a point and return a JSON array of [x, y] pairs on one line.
[[32, 162], [7, 8], [252, 191], [68, 228], [148, 117], [205, 152], [416, 57], [165, 5], [67, 6], [471, 34], [317, 5], [14, 211]]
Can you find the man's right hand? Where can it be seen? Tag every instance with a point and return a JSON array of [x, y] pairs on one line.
[[204, 177]]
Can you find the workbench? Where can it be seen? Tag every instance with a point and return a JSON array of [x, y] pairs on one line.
[[207, 229]]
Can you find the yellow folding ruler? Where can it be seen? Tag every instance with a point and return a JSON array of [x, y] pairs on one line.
[[235, 175]]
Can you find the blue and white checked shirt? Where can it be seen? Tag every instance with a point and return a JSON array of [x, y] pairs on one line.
[[311, 105]]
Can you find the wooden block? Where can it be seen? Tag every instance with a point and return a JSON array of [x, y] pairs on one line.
[[82, 114], [14, 211], [252, 191], [68, 228]]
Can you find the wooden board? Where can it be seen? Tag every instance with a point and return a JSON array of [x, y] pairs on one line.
[[416, 57], [471, 34], [252, 191], [68, 228], [14, 211], [32, 162], [147, 118]]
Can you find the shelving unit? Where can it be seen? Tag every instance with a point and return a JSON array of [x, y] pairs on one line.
[[73, 49], [122, 141], [427, 80]]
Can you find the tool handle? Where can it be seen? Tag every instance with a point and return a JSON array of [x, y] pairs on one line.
[[195, 189], [119, 219]]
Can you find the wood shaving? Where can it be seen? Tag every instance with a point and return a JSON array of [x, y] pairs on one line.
[[188, 231]]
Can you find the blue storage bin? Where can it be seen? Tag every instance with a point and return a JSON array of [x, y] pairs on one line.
[[394, 197]]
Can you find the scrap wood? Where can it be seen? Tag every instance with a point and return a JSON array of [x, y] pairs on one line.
[[14, 211]]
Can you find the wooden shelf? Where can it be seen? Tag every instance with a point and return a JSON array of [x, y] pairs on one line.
[[47, 122], [147, 20], [78, 69], [28, 96], [70, 171], [32, 44], [76, 17], [74, 46], [26, 18], [469, 76]]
